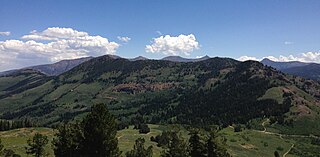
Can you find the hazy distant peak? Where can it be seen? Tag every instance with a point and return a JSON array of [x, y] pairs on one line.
[[52, 69], [138, 58], [283, 65], [267, 60], [181, 59]]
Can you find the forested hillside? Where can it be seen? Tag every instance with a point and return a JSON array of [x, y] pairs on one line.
[[216, 91]]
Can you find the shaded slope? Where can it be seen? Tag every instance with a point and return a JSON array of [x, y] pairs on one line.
[[306, 70], [310, 71], [59, 67]]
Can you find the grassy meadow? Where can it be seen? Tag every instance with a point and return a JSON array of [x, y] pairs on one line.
[[247, 143]]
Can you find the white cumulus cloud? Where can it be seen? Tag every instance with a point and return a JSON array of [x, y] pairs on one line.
[[245, 58], [173, 45], [200, 56], [5, 33], [51, 45], [55, 33], [124, 39]]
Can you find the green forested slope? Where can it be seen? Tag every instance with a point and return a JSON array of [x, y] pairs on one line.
[[218, 91]]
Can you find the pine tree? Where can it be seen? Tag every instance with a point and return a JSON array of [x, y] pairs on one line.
[[1, 126], [196, 146], [1, 147], [68, 140], [99, 131], [36, 145], [177, 147], [215, 148], [139, 150], [276, 154]]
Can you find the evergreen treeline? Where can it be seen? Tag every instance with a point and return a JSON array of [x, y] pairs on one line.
[[95, 136], [197, 146], [15, 124]]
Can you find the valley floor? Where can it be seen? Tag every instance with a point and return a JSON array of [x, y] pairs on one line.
[[247, 143]]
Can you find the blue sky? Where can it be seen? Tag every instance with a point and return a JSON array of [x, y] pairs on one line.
[[230, 28]]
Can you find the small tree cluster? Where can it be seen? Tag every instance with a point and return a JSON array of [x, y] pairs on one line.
[[237, 128], [144, 129], [163, 139], [139, 150], [197, 146], [139, 124], [36, 145], [177, 147]]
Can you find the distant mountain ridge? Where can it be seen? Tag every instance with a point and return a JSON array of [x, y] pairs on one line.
[[310, 71], [306, 70], [59, 67], [139, 58], [283, 65], [66, 65], [52, 69], [181, 59]]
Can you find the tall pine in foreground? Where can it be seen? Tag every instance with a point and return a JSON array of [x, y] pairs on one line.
[[68, 140], [197, 148], [1, 147], [215, 148], [94, 136], [99, 132], [177, 147]]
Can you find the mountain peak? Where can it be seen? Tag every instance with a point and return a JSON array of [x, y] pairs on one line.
[[138, 58], [206, 56], [266, 60]]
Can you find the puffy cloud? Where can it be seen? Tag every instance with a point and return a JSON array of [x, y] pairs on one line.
[[303, 57], [245, 58], [61, 43], [55, 33], [200, 56], [5, 33], [182, 44], [124, 39]]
